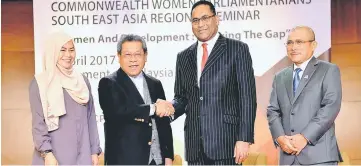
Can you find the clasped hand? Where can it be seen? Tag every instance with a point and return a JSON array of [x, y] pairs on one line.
[[292, 144], [164, 108]]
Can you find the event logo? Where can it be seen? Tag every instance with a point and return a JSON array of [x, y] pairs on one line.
[[158, 73]]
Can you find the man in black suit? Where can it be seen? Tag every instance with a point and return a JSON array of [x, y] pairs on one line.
[[215, 88], [136, 131]]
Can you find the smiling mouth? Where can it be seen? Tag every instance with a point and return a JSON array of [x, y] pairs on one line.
[[67, 60], [203, 30], [133, 66]]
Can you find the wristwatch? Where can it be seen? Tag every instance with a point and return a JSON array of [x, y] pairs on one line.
[[44, 153]]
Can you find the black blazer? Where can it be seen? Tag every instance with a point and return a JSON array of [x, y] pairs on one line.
[[222, 111], [127, 125]]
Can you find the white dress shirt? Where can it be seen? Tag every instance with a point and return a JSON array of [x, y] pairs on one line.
[[302, 66], [138, 82], [210, 45]]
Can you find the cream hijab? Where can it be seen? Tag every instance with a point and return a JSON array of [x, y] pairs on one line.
[[55, 78]]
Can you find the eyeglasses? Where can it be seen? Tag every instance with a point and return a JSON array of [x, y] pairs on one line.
[[136, 55], [195, 21], [290, 43]]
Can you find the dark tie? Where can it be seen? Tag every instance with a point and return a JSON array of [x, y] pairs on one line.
[[296, 80]]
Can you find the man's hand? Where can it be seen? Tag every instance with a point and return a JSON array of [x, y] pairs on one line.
[[286, 145], [50, 159], [168, 161], [95, 159], [241, 151], [298, 141], [164, 108]]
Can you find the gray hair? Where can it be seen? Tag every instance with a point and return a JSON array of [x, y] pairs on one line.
[[131, 38]]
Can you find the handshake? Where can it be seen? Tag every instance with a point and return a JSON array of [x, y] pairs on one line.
[[164, 108]]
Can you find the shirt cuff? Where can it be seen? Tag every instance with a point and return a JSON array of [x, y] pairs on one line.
[[152, 110], [277, 142], [171, 117]]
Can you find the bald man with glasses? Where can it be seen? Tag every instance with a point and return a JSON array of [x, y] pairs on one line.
[[305, 101]]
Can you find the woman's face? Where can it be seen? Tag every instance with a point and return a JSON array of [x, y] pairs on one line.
[[67, 55]]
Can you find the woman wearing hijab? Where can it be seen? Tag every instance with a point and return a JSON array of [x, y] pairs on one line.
[[63, 117]]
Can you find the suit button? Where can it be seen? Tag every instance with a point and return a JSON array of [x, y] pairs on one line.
[[150, 143], [201, 98], [292, 130], [199, 116], [150, 124], [292, 113]]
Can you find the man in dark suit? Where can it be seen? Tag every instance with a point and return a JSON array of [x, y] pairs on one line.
[[215, 88], [133, 132]]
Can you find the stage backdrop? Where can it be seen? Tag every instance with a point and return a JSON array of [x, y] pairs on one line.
[[97, 25]]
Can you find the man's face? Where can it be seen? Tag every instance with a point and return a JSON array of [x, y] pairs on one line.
[[204, 23], [132, 58], [300, 45]]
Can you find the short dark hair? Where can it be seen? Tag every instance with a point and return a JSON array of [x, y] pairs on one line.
[[131, 38], [204, 2]]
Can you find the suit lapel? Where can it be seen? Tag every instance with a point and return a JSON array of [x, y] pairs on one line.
[[192, 61], [218, 50], [288, 83], [151, 88], [123, 78], [307, 75]]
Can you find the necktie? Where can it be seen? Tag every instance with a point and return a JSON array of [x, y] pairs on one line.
[[205, 55], [296, 80]]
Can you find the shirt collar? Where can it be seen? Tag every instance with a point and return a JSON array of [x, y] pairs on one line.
[[138, 77], [211, 42], [303, 65]]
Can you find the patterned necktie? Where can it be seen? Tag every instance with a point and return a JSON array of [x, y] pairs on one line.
[[296, 80], [205, 56]]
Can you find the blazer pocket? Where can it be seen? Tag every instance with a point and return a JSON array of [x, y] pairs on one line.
[[231, 119]]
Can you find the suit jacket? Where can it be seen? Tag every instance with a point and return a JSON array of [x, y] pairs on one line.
[[311, 111], [222, 108], [128, 126]]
